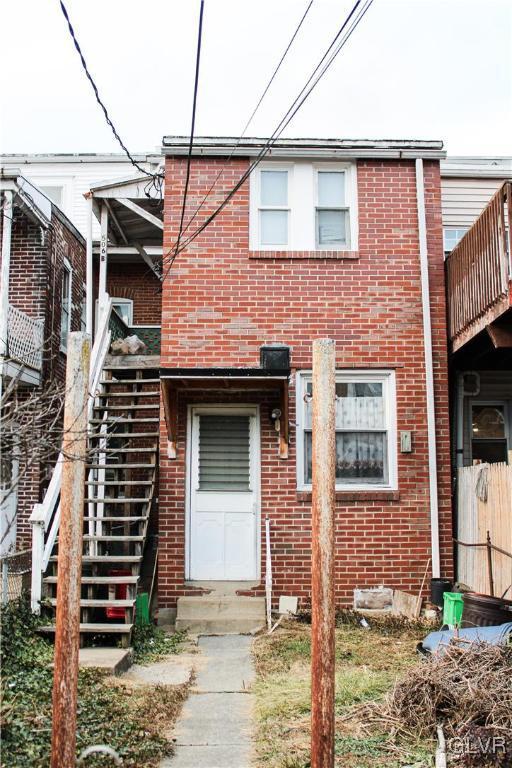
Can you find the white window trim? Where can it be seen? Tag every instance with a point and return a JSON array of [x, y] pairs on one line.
[[302, 204], [119, 300], [506, 415], [69, 269], [388, 380]]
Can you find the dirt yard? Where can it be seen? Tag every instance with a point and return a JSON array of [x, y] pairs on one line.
[[368, 661]]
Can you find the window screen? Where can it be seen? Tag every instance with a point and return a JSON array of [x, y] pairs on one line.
[[224, 452]]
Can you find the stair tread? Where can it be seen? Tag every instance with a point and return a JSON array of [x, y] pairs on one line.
[[126, 407], [100, 603], [118, 519], [105, 558], [119, 482], [119, 435], [98, 628], [120, 466], [118, 500], [115, 420], [98, 579], [86, 537], [110, 451], [141, 393], [111, 382]]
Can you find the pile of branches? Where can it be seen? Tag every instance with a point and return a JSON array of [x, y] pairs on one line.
[[467, 691]]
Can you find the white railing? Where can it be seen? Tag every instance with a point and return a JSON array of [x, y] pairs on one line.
[[25, 338], [45, 518]]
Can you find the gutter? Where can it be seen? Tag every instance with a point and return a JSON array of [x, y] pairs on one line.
[[429, 371]]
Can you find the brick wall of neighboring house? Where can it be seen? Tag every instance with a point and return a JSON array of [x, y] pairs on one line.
[[138, 283], [35, 285], [222, 302]]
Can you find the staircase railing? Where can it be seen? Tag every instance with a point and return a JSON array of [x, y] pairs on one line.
[[45, 518]]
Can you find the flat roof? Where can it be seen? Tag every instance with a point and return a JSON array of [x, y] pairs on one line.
[[247, 147], [79, 157]]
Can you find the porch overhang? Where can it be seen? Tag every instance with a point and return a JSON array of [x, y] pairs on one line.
[[176, 380]]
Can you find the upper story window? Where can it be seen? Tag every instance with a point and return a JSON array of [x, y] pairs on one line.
[[65, 304], [365, 430], [303, 206]]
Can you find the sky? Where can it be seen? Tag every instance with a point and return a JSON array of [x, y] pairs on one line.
[[429, 69]]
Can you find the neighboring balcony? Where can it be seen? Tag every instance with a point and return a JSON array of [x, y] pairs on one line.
[[478, 273], [25, 345], [149, 334]]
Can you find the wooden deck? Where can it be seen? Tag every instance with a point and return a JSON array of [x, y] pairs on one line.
[[478, 272]]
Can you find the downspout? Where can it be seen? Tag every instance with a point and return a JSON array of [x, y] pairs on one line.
[[89, 272], [429, 371], [5, 271], [460, 420]]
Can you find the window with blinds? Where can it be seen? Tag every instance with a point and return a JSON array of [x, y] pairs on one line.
[[224, 452]]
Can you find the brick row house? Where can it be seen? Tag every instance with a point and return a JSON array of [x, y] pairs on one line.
[[327, 238], [42, 299], [324, 240]]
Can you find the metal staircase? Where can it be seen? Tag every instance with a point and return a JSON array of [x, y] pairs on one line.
[[120, 487]]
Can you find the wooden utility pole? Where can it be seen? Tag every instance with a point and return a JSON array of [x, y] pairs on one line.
[[322, 556], [67, 630]]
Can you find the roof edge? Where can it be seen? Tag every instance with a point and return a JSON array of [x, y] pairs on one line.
[[221, 146]]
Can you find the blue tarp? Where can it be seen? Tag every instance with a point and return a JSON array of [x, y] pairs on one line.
[[498, 635]]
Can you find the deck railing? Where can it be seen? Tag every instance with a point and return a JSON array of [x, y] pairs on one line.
[[25, 338], [478, 270]]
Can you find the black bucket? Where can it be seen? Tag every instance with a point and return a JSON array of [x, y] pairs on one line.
[[437, 589], [485, 611]]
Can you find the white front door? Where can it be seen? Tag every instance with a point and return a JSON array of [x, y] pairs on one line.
[[224, 493]]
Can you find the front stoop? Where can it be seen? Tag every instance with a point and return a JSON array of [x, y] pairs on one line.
[[220, 614], [112, 661]]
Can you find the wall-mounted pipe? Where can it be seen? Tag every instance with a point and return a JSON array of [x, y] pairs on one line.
[[429, 371]]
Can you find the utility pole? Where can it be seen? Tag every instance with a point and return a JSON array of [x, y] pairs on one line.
[[322, 556], [67, 630]]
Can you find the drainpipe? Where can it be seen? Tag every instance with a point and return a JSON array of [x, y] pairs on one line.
[[429, 373], [460, 420], [89, 271], [5, 270]]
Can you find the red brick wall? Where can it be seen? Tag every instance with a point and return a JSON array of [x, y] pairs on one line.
[[221, 303], [138, 283], [36, 270]]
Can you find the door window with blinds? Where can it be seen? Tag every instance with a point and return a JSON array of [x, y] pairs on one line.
[[224, 452], [365, 431]]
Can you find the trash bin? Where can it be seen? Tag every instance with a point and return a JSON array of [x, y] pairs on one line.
[[142, 609], [453, 606]]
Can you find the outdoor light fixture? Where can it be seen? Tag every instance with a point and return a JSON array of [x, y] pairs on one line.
[[276, 418]]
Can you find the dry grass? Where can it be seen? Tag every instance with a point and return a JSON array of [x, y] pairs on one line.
[[367, 665], [468, 691]]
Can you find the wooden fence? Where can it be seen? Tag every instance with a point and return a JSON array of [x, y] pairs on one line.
[[485, 505]]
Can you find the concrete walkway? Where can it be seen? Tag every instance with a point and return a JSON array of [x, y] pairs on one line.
[[214, 730]]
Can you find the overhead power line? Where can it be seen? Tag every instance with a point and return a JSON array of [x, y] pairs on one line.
[[342, 36], [252, 116], [193, 121], [156, 177]]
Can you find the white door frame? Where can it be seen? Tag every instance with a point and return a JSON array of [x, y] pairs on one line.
[[253, 410]]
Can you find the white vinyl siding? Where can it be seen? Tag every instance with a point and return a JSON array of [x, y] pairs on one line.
[[463, 200]]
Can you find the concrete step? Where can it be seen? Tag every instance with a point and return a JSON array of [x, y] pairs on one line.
[[220, 613]]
